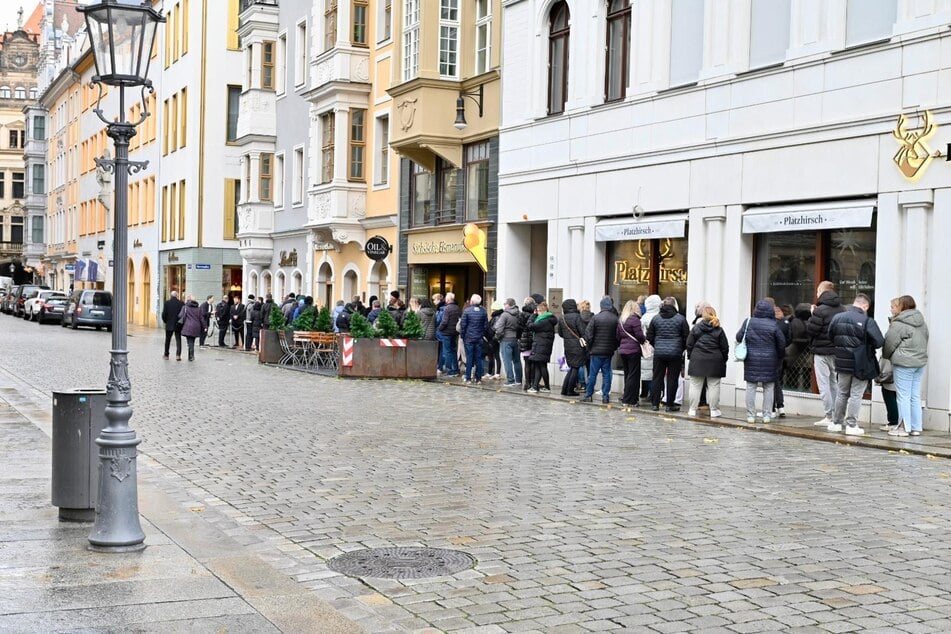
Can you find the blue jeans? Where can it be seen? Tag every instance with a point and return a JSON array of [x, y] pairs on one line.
[[450, 358], [603, 365], [510, 361], [474, 358], [908, 386]]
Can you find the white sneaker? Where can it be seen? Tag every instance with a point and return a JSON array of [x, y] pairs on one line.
[[715, 413], [825, 422], [897, 431], [854, 430], [888, 427], [750, 420], [691, 412], [833, 427], [766, 420]]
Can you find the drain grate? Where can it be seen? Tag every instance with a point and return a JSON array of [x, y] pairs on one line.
[[402, 563]]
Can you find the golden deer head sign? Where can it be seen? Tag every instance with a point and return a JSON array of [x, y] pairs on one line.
[[914, 155]]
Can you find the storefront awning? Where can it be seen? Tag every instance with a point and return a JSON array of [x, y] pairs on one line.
[[627, 229], [808, 217]]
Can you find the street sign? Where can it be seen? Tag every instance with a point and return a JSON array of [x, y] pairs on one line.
[[203, 267]]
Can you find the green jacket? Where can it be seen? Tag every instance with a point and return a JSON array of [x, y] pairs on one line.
[[906, 342]]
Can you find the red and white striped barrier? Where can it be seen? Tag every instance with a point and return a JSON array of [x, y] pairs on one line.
[[393, 343], [348, 352]]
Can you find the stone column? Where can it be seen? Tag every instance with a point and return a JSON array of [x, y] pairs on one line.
[[576, 275], [914, 211]]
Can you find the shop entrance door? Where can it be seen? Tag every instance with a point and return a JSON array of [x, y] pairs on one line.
[[647, 267], [461, 279]]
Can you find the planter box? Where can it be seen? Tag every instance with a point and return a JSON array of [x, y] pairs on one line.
[[373, 360], [269, 347]]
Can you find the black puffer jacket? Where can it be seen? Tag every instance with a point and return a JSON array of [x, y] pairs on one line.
[[799, 337], [850, 330], [543, 339], [571, 328], [827, 307], [450, 317], [708, 349], [765, 345], [601, 334], [668, 333], [525, 317]]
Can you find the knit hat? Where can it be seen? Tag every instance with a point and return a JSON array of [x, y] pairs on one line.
[[607, 303], [538, 297], [395, 294], [496, 305]]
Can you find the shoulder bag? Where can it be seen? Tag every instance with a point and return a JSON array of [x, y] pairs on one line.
[[581, 341], [739, 352], [647, 350]]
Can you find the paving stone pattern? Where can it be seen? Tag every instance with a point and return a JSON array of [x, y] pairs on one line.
[[581, 518]]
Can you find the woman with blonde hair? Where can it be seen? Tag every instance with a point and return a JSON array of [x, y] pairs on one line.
[[631, 336], [906, 346], [707, 352]]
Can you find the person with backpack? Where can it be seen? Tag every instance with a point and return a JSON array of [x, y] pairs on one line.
[[342, 323]]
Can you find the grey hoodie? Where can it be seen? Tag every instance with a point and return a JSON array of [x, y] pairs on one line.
[[506, 326], [906, 342]]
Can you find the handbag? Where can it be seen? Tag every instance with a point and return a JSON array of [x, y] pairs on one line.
[[581, 340], [739, 352], [647, 350]]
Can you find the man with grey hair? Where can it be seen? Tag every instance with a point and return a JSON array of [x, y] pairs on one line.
[[472, 327], [447, 330], [170, 312]]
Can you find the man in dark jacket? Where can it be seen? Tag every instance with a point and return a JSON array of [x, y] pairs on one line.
[[856, 337], [601, 337], [506, 333], [266, 311], [223, 317], [827, 307], [449, 336], [668, 333], [525, 335], [342, 323], [170, 311], [472, 326], [207, 311], [238, 314]]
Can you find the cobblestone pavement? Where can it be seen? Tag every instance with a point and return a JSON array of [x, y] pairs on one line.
[[581, 518]]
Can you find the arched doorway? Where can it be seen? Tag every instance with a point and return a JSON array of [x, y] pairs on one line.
[[130, 294], [325, 289], [350, 285], [145, 275], [377, 284]]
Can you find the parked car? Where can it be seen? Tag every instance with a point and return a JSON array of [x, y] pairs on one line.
[[24, 293], [32, 306], [52, 309], [88, 307], [6, 302]]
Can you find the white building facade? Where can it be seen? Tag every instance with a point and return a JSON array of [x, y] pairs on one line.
[[729, 150]]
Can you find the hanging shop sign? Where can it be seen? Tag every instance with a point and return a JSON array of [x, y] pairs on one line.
[[807, 219], [376, 248], [614, 230], [475, 241], [914, 155]]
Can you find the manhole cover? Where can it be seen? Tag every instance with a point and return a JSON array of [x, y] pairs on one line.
[[402, 563]]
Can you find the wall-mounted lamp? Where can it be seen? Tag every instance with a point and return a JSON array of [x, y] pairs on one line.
[[476, 96], [101, 244]]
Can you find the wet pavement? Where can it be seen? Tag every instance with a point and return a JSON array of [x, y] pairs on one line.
[[581, 518]]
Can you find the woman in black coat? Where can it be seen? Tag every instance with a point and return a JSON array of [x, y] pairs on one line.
[[765, 348], [543, 340], [707, 350], [571, 328], [525, 317]]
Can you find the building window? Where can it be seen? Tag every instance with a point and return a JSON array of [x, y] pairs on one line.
[[3, 185], [446, 184], [4, 92], [36, 232], [421, 195], [387, 20], [32, 93], [278, 180], [267, 66], [298, 176], [558, 33], [265, 176], [686, 41], [410, 39], [330, 25], [358, 142], [483, 39], [647, 267], [382, 150], [618, 49], [19, 93], [327, 147], [16, 139], [16, 229], [300, 70], [234, 97], [360, 10], [282, 63], [449, 38], [477, 181], [232, 196], [868, 21], [769, 32], [234, 8], [18, 184], [39, 179]]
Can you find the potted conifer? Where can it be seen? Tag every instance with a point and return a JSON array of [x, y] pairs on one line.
[[385, 350]]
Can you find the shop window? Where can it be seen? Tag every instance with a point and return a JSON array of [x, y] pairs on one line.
[[477, 181], [558, 33], [769, 32], [617, 50], [686, 41], [446, 183], [648, 267], [421, 195]]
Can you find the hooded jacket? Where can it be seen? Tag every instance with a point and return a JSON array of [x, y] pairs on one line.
[[601, 334], [525, 317], [506, 326], [668, 333], [543, 337], [906, 343], [651, 309], [827, 307], [851, 331], [571, 328], [765, 344], [343, 320], [427, 319], [708, 350]]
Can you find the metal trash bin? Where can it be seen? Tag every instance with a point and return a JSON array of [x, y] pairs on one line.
[[78, 419]]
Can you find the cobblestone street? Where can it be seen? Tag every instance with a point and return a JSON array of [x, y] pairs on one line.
[[581, 518]]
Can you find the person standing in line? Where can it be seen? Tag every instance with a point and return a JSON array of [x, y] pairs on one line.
[[223, 317], [439, 305], [427, 317], [337, 311], [266, 311], [906, 346], [827, 306], [525, 317], [779, 400], [584, 309], [207, 312], [472, 327], [651, 309], [255, 322], [602, 340], [194, 323], [765, 346], [543, 341], [707, 352], [856, 337], [886, 381], [288, 306], [506, 333], [170, 313], [631, 336], [493, 348], [447, 328], [247, 322], [239, 313], [571, 329], [668, 334]]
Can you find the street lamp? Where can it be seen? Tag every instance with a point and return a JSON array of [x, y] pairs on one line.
[[122, 35]]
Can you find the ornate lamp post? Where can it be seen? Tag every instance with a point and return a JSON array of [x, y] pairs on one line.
[[122, 35]]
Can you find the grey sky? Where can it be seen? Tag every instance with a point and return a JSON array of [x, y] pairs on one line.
[[8, 12]]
